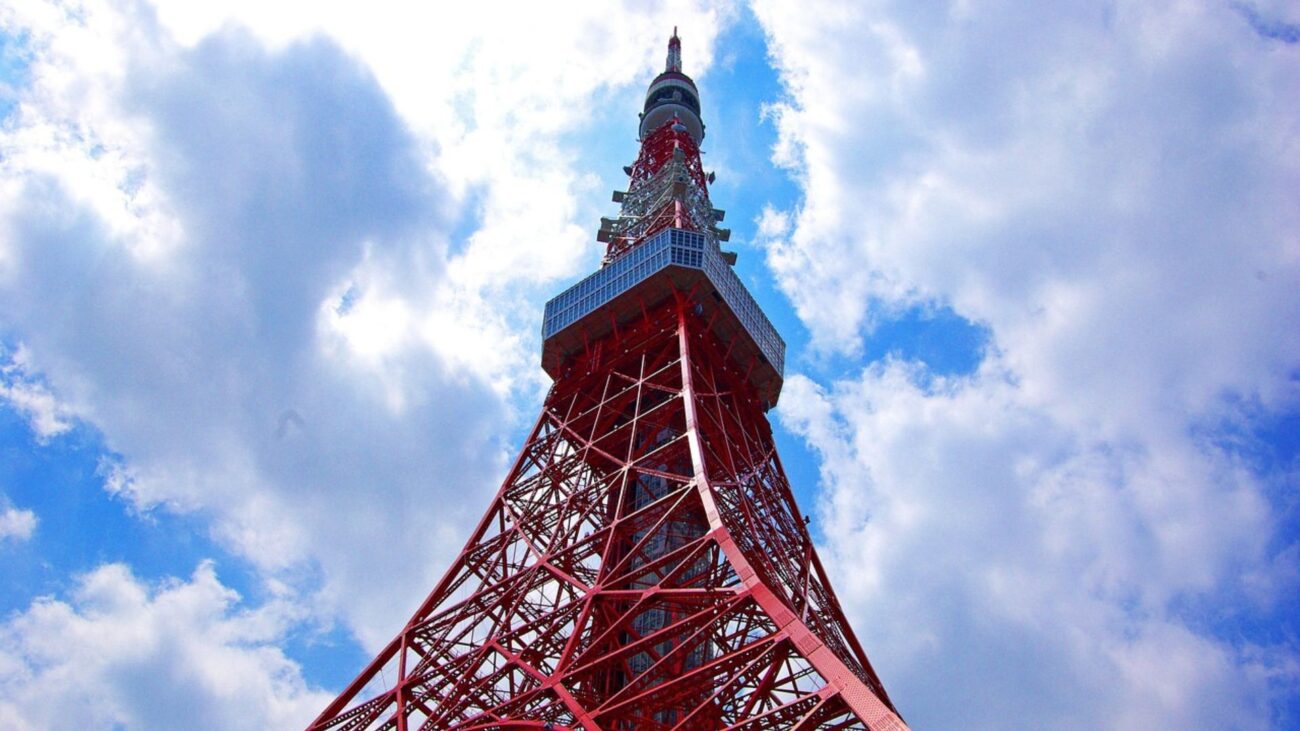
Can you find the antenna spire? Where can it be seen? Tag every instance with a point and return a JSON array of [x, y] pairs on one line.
[[674, 53]]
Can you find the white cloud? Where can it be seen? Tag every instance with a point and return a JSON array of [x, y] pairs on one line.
[[1104, 188], [123, 654], [247, 245], [502, 95], [17, 524], [46, 416], [272, 177], [1002, 563]]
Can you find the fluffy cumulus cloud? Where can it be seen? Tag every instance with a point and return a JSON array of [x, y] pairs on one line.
[[281, 261], [16, 524], [181, 224], [124, 654], [31, 398], [1082, 532], [1009, 569]]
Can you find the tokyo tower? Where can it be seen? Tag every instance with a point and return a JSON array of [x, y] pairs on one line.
[[644, 565]]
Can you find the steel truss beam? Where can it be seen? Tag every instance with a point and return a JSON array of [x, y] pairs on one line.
[[644, 566]]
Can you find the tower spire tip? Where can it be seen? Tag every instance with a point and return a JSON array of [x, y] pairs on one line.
[[674, 53]]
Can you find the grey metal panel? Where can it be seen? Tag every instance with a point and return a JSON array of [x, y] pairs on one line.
[[670, 247], [746, 310]]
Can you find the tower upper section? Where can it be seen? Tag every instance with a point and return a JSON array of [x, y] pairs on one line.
[[665, 243], [672, 94], [667, 185]]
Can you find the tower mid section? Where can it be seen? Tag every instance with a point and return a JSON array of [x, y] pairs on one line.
[[644, 565]]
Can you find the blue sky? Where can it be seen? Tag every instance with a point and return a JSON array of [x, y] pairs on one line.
[[270, 294]]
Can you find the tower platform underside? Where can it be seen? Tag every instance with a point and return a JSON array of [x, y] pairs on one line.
[[672, 260]]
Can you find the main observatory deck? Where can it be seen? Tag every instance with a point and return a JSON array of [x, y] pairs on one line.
[[648, 274]]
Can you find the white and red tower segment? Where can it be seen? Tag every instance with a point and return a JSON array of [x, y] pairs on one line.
[[667, 186], [644, 565]]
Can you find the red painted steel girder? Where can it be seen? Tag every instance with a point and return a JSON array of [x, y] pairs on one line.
[[644, 566]]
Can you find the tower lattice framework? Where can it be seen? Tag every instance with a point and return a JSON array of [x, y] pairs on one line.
[[644, 565]]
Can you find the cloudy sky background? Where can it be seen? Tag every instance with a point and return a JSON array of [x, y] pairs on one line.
[[271, 279]]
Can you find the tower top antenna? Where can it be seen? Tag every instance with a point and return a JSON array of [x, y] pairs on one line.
[[674, 53]]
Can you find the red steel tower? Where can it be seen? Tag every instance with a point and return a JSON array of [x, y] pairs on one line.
[[644, 565]]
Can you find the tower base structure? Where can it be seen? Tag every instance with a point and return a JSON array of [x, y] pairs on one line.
[[644, 566]]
